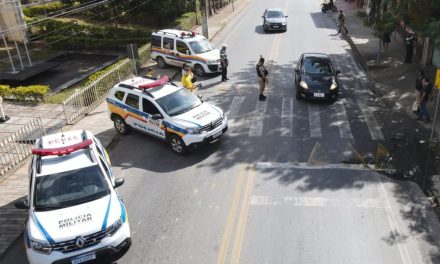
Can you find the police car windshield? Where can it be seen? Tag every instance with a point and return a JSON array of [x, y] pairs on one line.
[[179, 102], [201, 46], [69, 188]]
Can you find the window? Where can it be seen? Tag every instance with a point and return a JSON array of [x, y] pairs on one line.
[[317, 66], [181, 47], [133, 101], [274, 14], [156, 41], [149, 107], [179, 102], [106, 169], [119, 95], [168, 43], [201, 46]]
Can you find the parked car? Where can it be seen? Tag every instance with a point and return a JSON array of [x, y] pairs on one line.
[[274, 19], [315, 78]]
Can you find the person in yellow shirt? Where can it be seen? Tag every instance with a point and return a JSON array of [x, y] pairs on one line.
[[187, 78]]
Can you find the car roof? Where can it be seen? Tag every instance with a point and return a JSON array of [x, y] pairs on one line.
[[315, 56], [55, 164], [178, 33], [275, 9], [156, 92]]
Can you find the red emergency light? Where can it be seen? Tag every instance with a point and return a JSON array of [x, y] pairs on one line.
[[62, 150], [157, 83]]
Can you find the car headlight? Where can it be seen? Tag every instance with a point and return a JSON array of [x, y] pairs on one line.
[[334, 84], [267, 23], [115, 226], [44, 248], [303, 84], [194, 130], [284, 23]]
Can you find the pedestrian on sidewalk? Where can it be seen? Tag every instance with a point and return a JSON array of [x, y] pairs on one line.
[[188, 78], [262, 78], [409, 44], [424, 96], [224, 62], [341, 20], [419, 87], [386, 40]]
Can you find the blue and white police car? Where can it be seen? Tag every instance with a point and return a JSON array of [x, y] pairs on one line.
[[75, 213]]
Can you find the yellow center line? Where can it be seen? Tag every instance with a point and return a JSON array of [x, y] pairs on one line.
[[244, 212], [221, 259]]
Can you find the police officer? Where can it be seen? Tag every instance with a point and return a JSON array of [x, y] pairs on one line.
[[409, 44], [224, 62]]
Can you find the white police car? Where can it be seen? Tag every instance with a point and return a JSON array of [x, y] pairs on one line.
[[166, 111], [75, 213]]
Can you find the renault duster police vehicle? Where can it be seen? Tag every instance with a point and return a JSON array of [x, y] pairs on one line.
[[166, 111], [75, 213], [176, 47]]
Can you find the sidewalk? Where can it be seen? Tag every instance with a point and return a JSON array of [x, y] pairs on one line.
[[14, 186]]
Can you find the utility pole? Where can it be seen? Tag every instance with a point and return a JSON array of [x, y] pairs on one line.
[[205, 19], [233, 6]]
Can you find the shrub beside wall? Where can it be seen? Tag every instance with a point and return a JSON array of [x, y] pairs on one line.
[[24, 93]]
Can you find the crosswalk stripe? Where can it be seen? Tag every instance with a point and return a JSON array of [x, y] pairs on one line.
[[370, 119], [342, 119], [314, 121], [256, 129], [235, 107], [286, 117]]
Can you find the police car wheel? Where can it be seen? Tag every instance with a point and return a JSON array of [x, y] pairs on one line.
[[120, 125], [161, 62], [177, 144], [198, 69]]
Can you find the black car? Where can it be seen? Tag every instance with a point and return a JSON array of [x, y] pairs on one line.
[[315, 78], [274, 19]]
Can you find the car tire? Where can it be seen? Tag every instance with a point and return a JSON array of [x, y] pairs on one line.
[[161, 62], [199, 71], [120, 125], [177, 145]]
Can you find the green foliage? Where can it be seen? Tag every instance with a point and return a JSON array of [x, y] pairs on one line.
[[434, 29], [87, 43], [25, 93], [43, 9], [186, 21]]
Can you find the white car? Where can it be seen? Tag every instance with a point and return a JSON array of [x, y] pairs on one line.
[[166, 111], [75, 213], [176, 47]]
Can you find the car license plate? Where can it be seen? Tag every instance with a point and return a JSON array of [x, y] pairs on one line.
[[318, 94], [276, 26], [216, 135], [83, 258]]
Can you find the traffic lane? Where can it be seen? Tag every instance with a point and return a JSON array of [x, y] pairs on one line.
[[176, 215], [16, 253], [331, 216]]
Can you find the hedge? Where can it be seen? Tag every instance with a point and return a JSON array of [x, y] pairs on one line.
[[44, 9], [187, 21], [87, 43], [24, 93]]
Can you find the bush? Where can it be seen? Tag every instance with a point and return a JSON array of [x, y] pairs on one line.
[[25, 93], [44, 9], [88, 43], [186, 21]]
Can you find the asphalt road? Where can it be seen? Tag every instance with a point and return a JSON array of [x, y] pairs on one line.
[[275, 189]]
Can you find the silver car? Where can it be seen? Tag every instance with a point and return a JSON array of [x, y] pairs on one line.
[[274, 19]]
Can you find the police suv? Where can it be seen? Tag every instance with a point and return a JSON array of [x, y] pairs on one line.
[[75, 213], [166, 111], [176, 47]]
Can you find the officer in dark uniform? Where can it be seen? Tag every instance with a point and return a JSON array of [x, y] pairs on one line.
[[224, 63], [409, 44]]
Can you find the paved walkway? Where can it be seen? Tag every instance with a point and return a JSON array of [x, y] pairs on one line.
[[394, 82]]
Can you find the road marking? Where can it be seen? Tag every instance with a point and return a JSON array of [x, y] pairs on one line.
[[264, 200], [305, 166], [287, 117], [314, 121], [242, 221], [221, 258], [256, 129], [370, 119], [342, 119], [235, 107], [394, 224]]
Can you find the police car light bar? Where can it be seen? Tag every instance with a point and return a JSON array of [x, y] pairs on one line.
[[157, 83], [63, 150]]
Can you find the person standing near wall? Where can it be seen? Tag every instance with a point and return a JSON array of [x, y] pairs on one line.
[[224, 61]]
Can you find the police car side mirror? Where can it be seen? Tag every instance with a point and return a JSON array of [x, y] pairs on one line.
[[119, 182], [338, 72], [22, 204], [286, 16], [200, 96], [156, 117]]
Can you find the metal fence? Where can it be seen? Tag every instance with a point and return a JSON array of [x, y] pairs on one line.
[[16, 147], [86, 99]]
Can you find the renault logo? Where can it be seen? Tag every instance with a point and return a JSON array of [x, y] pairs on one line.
[[80, 241]]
